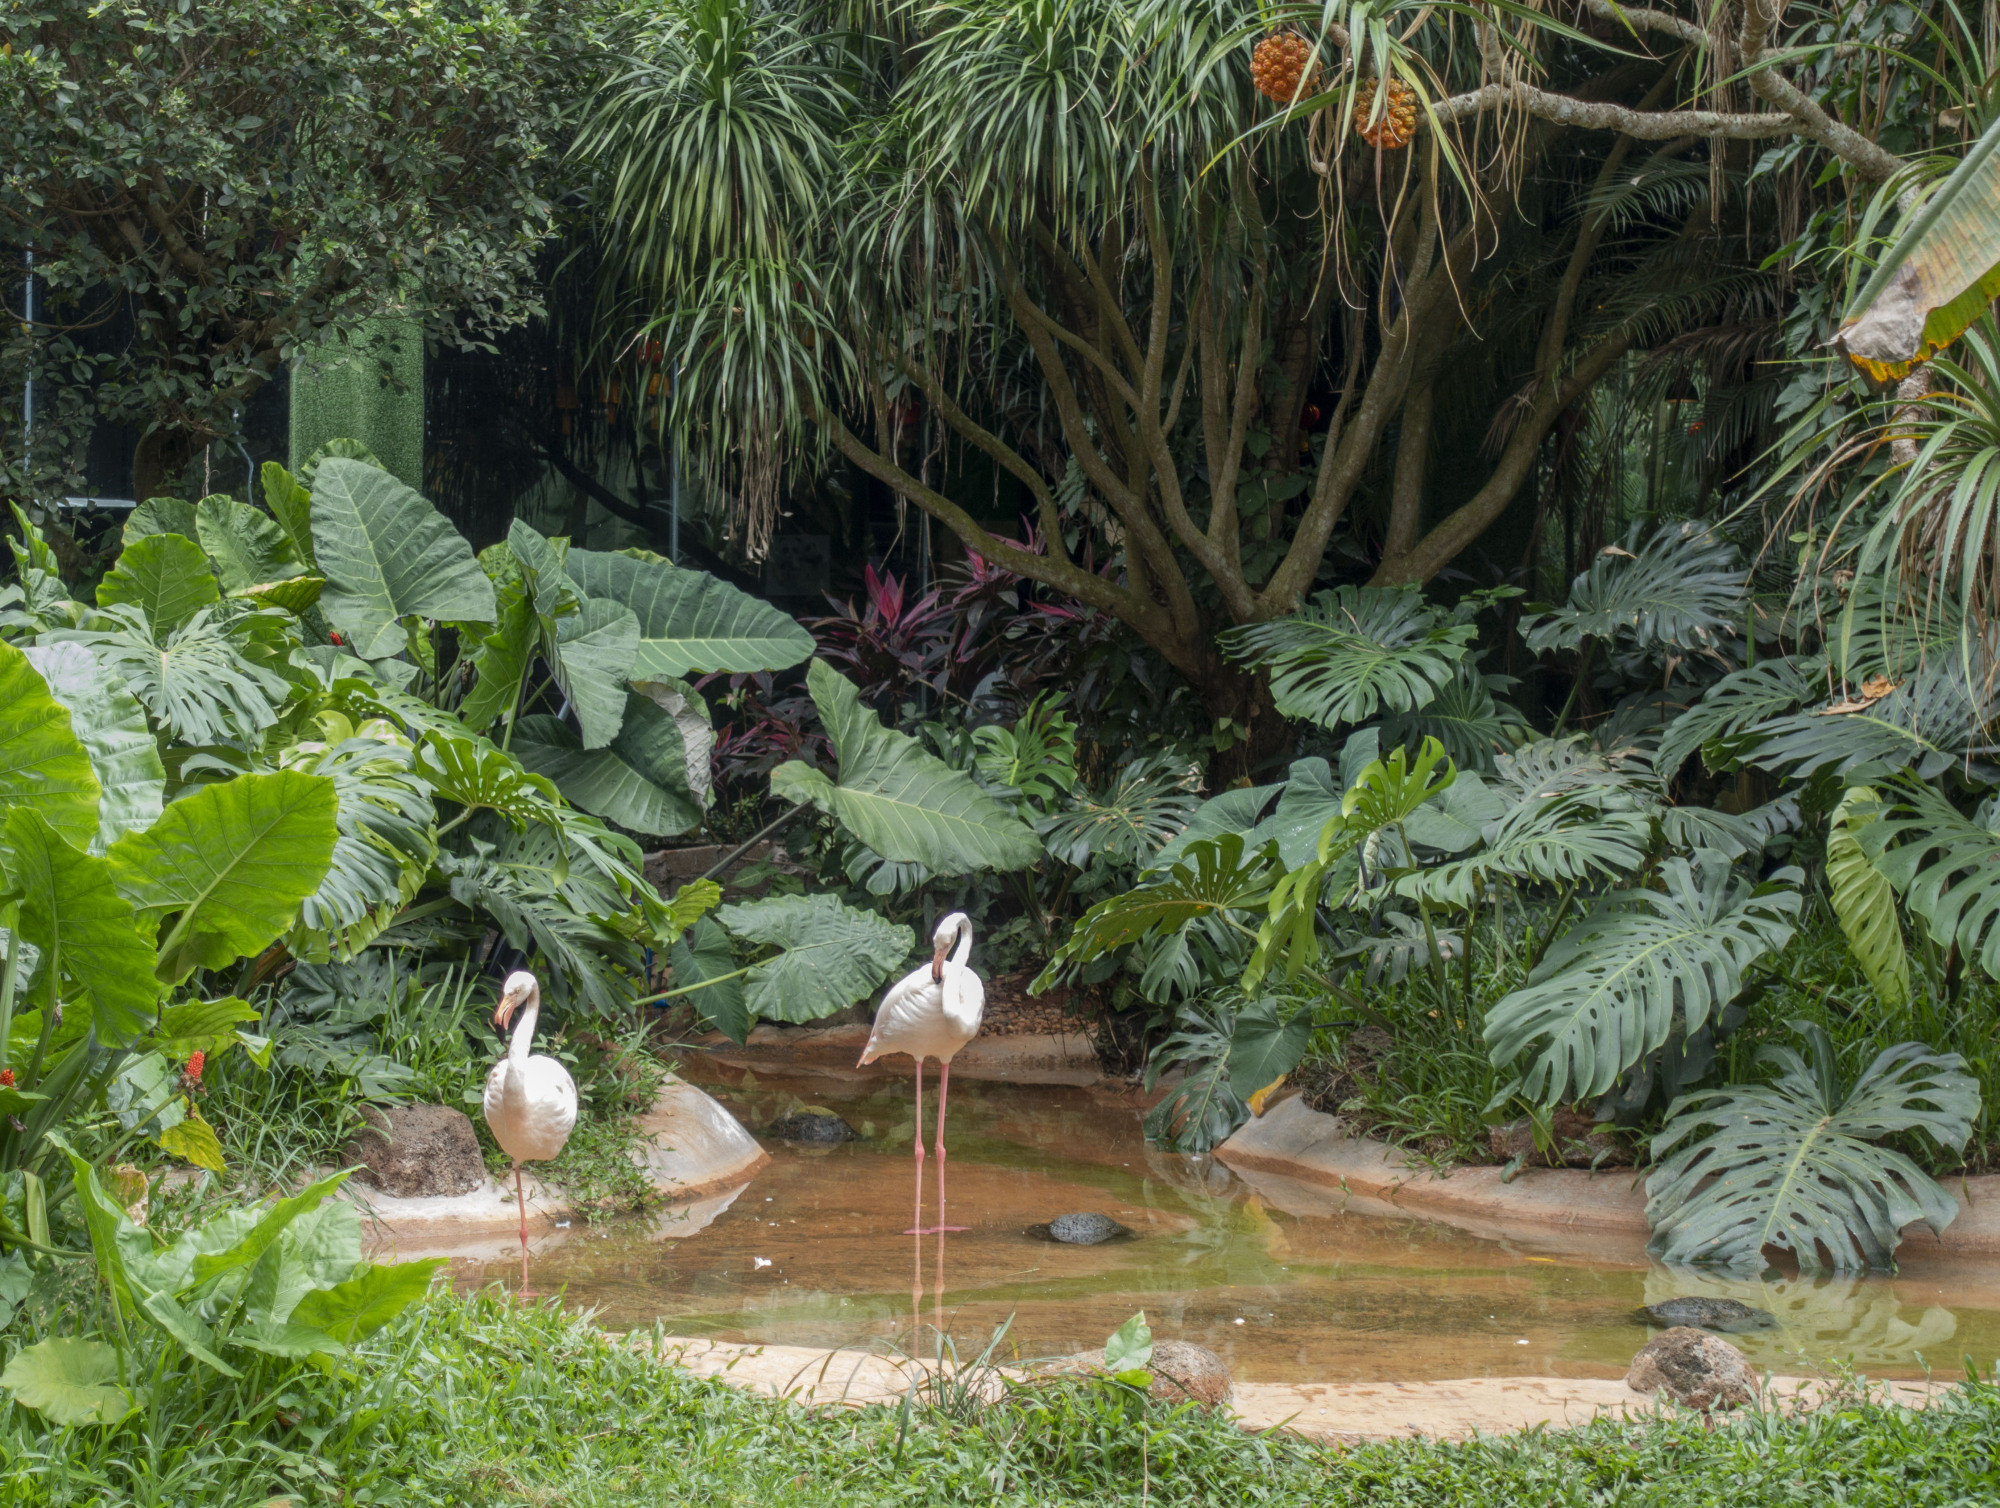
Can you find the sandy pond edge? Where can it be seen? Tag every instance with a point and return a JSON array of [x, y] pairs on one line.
[[1331, 1413], [1301, 1156]]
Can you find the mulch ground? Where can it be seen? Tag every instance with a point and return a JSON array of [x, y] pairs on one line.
[[1012, 1012]]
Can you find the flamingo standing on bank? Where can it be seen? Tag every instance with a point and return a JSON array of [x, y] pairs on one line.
[[932, 1013], [530, 1101]]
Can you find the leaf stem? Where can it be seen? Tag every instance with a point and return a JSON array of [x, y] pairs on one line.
[[688, 989]]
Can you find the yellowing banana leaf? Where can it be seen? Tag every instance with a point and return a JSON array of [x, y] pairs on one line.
[[1941, 273]]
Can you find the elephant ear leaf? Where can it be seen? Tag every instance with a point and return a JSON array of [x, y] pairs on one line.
[[291, 505], [247, 547], [1865, 901], [230, 865], [1796, 1164], [830, 955], [71, 908], [356, 1309], [690, 622], [42, 762], [898, 798], [701, 955], [388, 555], [640, 780], [166, 576], [1263, 1049], [68, 1381], [111, 725]]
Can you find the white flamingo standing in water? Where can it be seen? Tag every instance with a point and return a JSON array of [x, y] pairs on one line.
[[932, 1013], [530, 1101]]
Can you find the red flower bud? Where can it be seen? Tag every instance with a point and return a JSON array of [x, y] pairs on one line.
[[6, 1078], [195, 1060], [334, 634]]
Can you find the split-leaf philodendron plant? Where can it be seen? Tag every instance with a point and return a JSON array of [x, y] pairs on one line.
[[1620, 931]]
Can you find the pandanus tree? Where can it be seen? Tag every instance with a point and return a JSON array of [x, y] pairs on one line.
[[1185, 318]]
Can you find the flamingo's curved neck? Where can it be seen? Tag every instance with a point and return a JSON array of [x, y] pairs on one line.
[[524, 1030], [964, 949]]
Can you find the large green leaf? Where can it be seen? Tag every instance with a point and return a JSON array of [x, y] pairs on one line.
[[1734, 705], [689, 622], [1355, 652], [1684, 588], [1615, 986], [210, 681], [1943, 864], [388, 555], [1144, 808], [354, 1310], [641, 781], [71, 909], [702, 954], [1213, 879], [164, 575], [472, 772], [291, 506], [68, 1381], [159, 515], [1262, 1048], [1865, 901], [897, 797], [230, 864], [501, 657], [832, 956], [595, 650], [1939, 275], [42, 762], [246, 545], [111, 725], [1795, 1165]]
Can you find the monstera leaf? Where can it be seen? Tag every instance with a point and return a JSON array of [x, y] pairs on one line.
[[895, 796], [166, 576], [230, 865], [1729, 709], [1615, 986], [1355, 652], [832, 954], [640, 781], [1795, 1164], [1213, 879], [1683, 588], [71, 910], [245, 546], [69, 1382], [111, 725], [473, 773], [42, 763], [388, 555], [689, 622], [1146, 805], [208, 683], [1466, 718], [1941, 862], [384, 849], [1864, 900]]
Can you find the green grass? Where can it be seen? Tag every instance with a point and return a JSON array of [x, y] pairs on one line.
[[478, 1402]]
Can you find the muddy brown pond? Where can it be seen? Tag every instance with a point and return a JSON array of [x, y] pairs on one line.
[[810, 1253]]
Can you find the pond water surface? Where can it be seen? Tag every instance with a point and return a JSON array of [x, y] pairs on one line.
[[811, 1252]]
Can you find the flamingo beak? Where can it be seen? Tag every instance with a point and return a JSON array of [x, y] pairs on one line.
[[937, 961], [504, 1012]]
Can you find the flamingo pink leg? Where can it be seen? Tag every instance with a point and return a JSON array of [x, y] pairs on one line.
[[917, 1220], [521, 1204], [944, 1093]]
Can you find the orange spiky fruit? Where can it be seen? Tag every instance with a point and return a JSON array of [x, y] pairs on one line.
[[1396, 124], [1283, 68]]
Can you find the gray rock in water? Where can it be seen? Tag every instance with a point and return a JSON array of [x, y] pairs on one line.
[[1084, 1230], [819, 1127], [417, 1151], [1694, 1369], [1725, 1316]]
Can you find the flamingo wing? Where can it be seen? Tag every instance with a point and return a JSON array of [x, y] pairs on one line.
[[908, 1016]]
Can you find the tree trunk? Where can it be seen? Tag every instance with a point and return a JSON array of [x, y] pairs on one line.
[[1263, 741], [158, 461]]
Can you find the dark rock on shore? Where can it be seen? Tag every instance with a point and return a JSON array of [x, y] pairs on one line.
[[812, 1125], [417, 1151], [1079, 1230]]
